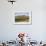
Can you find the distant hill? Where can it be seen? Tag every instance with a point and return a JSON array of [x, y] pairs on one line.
[[21, 18]]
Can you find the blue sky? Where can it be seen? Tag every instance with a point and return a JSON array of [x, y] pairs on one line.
[[22, 13]]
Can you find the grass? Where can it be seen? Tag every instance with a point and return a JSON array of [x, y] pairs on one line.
[[22, 18]]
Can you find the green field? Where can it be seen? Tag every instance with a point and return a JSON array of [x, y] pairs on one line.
[[22, 18]]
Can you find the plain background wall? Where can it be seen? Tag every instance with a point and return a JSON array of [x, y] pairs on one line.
[[8, 31]]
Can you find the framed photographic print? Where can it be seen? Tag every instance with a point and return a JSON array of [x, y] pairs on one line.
[[23, 17]]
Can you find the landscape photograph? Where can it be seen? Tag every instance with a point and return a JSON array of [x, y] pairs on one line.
[[22, 18]]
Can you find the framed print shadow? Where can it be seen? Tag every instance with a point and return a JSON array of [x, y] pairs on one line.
[[23, 17]]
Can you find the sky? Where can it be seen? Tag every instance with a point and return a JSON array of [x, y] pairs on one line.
[[22, 13]]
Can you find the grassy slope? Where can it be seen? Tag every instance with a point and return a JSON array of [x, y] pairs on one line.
[[21, 18]]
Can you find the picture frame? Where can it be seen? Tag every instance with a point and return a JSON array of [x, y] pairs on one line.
[[22, 18]]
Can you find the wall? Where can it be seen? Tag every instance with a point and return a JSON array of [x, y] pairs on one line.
[[9, 31]]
